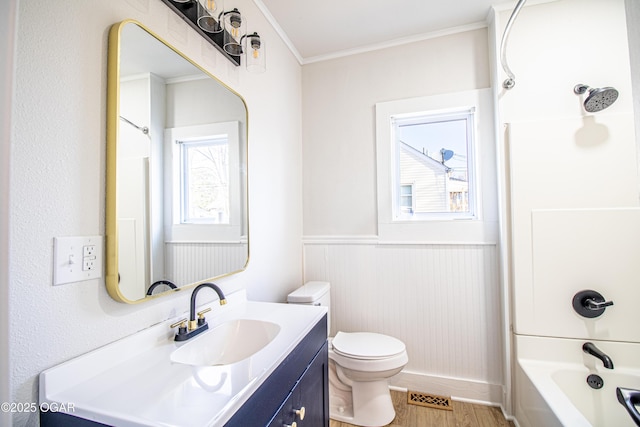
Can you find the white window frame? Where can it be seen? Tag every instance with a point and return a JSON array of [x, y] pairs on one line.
[[482, 226], [177, 232]]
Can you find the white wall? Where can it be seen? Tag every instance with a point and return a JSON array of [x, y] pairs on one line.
[[8, 10], [442, 300], [632, 8], [339, 120], [58, 167]]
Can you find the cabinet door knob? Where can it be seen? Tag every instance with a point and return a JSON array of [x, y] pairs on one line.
[[293, 424], [300, 412]]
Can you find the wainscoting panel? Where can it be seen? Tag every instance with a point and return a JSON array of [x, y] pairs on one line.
[[191, 262], [442, 300]]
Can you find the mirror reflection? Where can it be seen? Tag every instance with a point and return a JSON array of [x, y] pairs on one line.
[[176, 170]]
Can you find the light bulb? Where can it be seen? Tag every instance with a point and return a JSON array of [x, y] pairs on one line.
[[211, 4], [256, 53]]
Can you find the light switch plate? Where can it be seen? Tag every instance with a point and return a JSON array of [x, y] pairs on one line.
[[76, 259]]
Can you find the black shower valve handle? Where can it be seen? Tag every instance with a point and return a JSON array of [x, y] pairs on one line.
[[597, 305], [590, 304]]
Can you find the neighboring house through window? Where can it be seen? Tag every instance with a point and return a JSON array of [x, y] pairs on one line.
[[434, 151]]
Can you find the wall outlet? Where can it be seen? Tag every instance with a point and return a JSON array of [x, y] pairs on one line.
[[88, 263], [89, 250], [77, 259]]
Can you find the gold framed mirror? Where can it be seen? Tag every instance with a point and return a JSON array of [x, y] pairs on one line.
[[176, 179]]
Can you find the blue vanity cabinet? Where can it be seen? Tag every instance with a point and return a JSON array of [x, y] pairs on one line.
[[307, 404], [300, 380]]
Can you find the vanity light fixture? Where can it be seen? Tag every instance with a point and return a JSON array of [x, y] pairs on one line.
[[207, 11], [238, 43], [226, 30], [236, 28], [255, 53], [201, 16]]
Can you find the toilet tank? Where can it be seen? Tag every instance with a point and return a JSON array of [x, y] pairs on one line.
[[313, 293]]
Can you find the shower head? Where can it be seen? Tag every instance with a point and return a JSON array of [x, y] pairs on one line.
[[598, 98]]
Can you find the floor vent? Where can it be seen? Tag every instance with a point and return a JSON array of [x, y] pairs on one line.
[[429, 400]]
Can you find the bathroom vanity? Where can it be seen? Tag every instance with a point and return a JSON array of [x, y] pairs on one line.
[[139, 381]]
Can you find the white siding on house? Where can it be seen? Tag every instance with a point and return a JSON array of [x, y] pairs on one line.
[[429, 179]]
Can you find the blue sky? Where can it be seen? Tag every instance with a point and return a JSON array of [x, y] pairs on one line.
[[432, 137]]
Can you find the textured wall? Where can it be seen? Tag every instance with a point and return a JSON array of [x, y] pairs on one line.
[[8, 11], [58, 167]]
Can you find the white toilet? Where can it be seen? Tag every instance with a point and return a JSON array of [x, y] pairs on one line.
[[360, 364]]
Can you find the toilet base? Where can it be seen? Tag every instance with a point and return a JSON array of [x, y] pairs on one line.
[[365, 404]]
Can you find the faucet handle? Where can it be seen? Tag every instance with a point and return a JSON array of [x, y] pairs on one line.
[[597, 305], [182, 326], [201, 320], [201, 313]]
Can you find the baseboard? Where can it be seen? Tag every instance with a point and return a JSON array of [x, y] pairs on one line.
[[459, 389]]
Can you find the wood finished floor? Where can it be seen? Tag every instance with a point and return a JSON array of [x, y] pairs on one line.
[[463, 415]]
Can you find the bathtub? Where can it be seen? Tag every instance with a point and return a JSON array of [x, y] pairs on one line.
[[551, 383]]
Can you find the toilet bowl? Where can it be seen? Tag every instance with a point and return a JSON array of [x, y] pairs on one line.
[[360, 364]]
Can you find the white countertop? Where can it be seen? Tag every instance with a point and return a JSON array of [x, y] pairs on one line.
[[132, 382]]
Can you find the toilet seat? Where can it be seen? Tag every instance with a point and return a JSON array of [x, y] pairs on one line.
[[367, 345], [367, 352]]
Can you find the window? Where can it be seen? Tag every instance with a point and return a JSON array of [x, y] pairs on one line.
[[204, 177], [436, 168], [434, 151], [205, 181], [406, 198]]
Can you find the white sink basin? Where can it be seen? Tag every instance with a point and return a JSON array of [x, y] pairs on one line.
[[226, 344]]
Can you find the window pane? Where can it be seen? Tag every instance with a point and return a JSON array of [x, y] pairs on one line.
[[433, 154], [206, 182], [406, 198]]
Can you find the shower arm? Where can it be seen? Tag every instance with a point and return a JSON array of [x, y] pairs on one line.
[[511, 80], [142, 129]]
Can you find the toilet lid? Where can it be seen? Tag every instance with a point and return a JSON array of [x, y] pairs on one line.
[[366, 345]]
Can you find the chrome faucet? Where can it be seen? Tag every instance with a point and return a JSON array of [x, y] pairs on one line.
[[200, 325], [591, 349]]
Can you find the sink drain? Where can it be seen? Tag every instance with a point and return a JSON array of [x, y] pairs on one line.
[[595, 381]]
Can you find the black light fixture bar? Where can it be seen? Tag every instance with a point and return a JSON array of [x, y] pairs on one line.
[[189, 13]]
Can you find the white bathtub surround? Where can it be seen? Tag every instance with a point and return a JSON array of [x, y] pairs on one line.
[[551, 383], [568, 197], [133, 382]]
